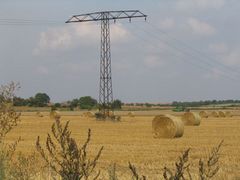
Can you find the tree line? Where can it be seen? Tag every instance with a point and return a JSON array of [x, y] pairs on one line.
[[43, 100], [88, 102], [205, 103]]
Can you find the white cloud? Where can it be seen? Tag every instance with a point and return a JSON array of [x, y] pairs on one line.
[[70, 36], [227, 56], [42, 70], [215, 73], [199, 4], [218, 48], [200, 27], [75, 68], [232, 58], [153, 61], [55, 39], [119, 33], [167, 23]]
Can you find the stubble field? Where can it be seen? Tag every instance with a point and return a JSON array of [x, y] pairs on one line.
[[131, 140]]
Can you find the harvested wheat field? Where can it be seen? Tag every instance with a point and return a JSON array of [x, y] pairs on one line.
[[228, 114], [133, 141]]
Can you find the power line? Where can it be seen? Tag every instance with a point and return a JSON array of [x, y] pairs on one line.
[[180, 57], [29, 22], [194, 49], [204, 63]]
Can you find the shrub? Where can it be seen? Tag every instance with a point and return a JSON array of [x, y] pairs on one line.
[[64, 156], [8, 120], [8, 117]]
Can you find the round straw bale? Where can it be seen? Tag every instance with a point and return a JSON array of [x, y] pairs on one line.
[[131, 114], [228, 114], [214, 114], [110, 113], [39, 114], [55, 115], [203, 114], [191, 119], [167, 126], [221, 114], [88, 114]]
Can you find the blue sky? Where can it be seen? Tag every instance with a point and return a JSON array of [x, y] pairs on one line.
[[187, 50]]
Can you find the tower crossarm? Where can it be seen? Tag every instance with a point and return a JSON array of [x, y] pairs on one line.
[[111, 15]]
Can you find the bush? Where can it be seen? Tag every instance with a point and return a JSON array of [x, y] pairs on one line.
[[117, 104], [87, 102], [64, 156]]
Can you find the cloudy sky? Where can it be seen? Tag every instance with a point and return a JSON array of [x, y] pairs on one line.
[[187, 50]]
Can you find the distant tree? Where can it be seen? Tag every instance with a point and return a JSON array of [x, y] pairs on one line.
[[74, 103], [87, 102], [31, 101], [117, 104], [148, 105], [41, 99], [57, 105], [18, 101]]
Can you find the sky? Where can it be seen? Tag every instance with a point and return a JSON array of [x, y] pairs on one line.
[[187, 50]]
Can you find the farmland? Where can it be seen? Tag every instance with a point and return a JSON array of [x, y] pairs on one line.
[[132, 140]]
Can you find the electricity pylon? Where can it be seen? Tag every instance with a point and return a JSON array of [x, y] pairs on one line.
[[105, 89]]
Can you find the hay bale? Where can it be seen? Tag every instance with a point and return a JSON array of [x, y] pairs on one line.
[[131, 114], [203, 114], [191, 119], [88, 114], [110, 113], [167, 126], [39, 114], [55, 115], [214, 114], [221, 114], [228, 114]]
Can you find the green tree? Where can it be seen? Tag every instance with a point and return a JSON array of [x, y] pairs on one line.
[[117, 104], [41, 99], [74, 103], [148, 105], [87, 102], [57, 105], [18, 101]]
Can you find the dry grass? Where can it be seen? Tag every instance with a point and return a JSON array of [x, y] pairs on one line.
[[228, 114], [132, 141]]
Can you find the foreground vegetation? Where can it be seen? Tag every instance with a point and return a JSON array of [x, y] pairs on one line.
[[128, 153]]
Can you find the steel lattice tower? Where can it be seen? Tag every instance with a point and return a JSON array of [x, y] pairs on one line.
[[105, 89]]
